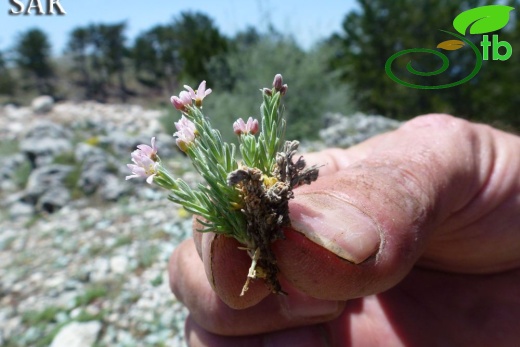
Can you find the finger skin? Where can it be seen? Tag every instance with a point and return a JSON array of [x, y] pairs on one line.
[[311, 336], [428, 308], [225, 257], [276, 312], [230, 256]]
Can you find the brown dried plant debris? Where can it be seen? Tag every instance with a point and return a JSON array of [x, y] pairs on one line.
[[266, 207]]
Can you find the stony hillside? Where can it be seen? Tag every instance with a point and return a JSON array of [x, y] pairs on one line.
[[83, 253]]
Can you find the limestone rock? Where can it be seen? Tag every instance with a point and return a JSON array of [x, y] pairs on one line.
[[77, 334], [46, 187], [44, 141], [42, 104], [345, 131]]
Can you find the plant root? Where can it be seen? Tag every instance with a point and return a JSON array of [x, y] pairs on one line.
[[266, 207]]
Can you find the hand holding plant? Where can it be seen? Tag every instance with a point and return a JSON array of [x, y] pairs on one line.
[[245, 199]]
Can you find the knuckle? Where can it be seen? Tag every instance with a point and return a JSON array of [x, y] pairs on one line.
[[438, 122]]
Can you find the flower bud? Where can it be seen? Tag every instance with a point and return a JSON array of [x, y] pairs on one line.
[[278, 82], [253, 126], [186, 133], [241, 128], [267, 91], [180, 102]]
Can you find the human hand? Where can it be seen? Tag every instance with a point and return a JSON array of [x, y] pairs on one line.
[[410, 238]]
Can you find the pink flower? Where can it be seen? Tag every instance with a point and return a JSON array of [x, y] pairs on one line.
[[180, 102], [186, 133], [251, 127], [199, 94], [150, 152], [145, 162]]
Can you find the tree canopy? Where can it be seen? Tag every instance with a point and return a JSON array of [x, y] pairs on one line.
[[98, 52], [33, 58], [380, 28]]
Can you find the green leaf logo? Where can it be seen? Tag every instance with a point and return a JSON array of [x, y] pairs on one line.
[[482, 19]]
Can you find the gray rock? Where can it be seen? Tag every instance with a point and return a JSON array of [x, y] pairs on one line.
[[84, 151], [13, 121], [113, 187], [9, 170], [95, 167], [166, 145], [44, 141], [120, 142], [46, 187], [345, 131], [14, 113], [42, 104], [88, 258], [99, 270], [21, 209], [9, 326], [53, 199], [97, 173], [45, 128], [77, 334], [119, 264], [42, 151], [44, 178], [93, 173]]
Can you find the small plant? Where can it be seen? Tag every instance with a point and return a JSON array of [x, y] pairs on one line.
[[147, 256], [22, 173], [45, 316], [91, 294], [157, 281], [246, 199]]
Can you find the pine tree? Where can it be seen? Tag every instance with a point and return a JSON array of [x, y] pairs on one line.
[[32, 57]]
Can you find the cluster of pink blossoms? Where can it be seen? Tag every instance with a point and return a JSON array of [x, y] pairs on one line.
[[184, 99], [145, 157], [186, 130], [145, 162]]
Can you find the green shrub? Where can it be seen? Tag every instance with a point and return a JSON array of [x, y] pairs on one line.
[[313, 91]]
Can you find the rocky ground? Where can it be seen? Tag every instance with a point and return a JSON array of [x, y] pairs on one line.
[[83, 253]]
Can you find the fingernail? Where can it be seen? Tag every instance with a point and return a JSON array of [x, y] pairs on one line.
[[207, 250], [335, 224]]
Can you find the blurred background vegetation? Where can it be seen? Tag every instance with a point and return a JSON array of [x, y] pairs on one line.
[[344, 73]]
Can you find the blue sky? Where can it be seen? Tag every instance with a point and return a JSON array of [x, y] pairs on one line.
[[307, 21]]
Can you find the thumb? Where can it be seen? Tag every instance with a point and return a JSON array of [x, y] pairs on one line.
[[359, 230]]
